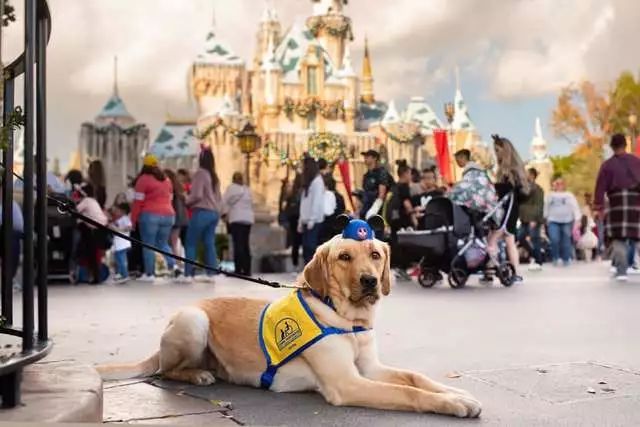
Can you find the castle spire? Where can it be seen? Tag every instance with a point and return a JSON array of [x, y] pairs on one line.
[[367, 76], [115, 76]]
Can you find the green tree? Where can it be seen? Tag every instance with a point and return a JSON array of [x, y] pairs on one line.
[[626, 99]]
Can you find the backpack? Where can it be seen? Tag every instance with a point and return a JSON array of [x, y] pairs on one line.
[[392, 206]]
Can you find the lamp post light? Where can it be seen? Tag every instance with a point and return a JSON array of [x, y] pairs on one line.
[[633, 124], [449, 112], [249, 142]]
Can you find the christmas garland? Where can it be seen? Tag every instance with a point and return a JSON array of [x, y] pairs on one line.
[[330, 110], [326, 145], [218, 123], [342, 29], [403, 133]]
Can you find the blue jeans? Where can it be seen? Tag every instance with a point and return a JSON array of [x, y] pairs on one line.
[[310, 240], [202, 228], [560, 236], [120, 258], [534, 244], [155, 230]]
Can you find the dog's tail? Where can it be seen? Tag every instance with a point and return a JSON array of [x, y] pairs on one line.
[[145, 368]]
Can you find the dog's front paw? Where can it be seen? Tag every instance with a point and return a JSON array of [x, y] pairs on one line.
[[202, 378], [463, 406], [461, 392]]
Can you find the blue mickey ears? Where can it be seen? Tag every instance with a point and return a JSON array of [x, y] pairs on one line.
[[357, 229]]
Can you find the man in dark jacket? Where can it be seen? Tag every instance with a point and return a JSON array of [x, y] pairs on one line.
[[619, 181], [532, 220]]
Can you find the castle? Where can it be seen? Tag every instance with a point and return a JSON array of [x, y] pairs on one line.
[[302, 93]]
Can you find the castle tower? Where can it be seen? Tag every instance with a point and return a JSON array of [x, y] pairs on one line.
[[367, 96], [350, 80], [540, 158], [331, 27], [270, 30], [217, 73], [116, 139], [270, 76]]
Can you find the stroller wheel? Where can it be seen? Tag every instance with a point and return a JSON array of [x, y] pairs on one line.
[[505, 273], [458, 278], [428, 278]]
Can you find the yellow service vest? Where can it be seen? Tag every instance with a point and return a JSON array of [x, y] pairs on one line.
[[287, 328]]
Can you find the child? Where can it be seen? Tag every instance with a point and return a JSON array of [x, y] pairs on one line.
[[121, 222], [587, 240], [92, 241]]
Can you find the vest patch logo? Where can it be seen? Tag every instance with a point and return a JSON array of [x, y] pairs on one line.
[[286, 332]]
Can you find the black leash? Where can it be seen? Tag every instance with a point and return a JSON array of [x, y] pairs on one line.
[[67, 207]]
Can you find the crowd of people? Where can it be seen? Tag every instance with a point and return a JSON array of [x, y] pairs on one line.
[[179, 212], [175, 211], [527, 226]]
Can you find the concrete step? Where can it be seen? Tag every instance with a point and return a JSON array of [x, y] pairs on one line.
[[56, 392]]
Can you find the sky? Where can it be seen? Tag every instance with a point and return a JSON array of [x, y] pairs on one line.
[[513, 55]]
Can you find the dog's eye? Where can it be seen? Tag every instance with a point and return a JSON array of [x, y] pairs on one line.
[[344, 257], [375, 255]]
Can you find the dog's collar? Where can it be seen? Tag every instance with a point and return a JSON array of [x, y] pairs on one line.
[[326, 300]]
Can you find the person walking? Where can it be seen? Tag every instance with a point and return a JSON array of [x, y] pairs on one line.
[[98, 181], [238, 207], [562, 212], [619, 180], [511, 178], [400, 214], [311, 208], [334, 206], [532, 220], [152, 213], [121, 222], [376, 183], [16, 238], [205, 203], [291, 213], [179, 203]]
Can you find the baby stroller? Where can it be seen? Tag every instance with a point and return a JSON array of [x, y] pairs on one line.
[[452, 240]]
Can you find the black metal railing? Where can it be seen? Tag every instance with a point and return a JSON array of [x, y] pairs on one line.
[[31, 63]]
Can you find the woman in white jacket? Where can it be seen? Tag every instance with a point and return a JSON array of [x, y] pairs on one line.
[[311, 207], [238, 207]]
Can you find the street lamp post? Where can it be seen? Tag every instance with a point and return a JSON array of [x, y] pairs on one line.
[[449, 112], [633, 123], [249, 142]]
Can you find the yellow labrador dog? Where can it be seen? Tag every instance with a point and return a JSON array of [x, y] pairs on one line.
[[225, 338]]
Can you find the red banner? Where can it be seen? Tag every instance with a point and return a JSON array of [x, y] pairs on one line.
[[343, 166], [442, 153], [638, 146]]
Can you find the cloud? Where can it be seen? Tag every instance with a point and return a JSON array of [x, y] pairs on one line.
[[513, 48]]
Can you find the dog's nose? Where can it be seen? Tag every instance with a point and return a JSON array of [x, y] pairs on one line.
[[368, 282]]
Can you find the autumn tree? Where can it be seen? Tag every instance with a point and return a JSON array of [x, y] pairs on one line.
[[626, 99]]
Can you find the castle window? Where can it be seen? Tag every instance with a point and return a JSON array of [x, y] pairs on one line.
[[311, 122], [312, 80]]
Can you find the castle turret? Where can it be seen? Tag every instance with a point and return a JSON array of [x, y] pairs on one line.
[[217, 72], [116, 139], [540, 158], [270, 31], [331, 27], [367, 76]]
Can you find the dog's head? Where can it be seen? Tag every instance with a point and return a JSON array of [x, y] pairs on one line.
[[352, 271]]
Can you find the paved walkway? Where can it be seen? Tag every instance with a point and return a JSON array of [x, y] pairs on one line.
[[534, 354]]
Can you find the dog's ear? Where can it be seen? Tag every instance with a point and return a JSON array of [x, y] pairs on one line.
[[386, 274], [340, 223], [377, 225], [316, 274]]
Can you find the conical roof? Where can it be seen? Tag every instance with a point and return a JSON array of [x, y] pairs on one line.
[[175, 140], [461, 119], [391, 116], [217, 52], [114, 108], [419, 111], [293, 47]]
